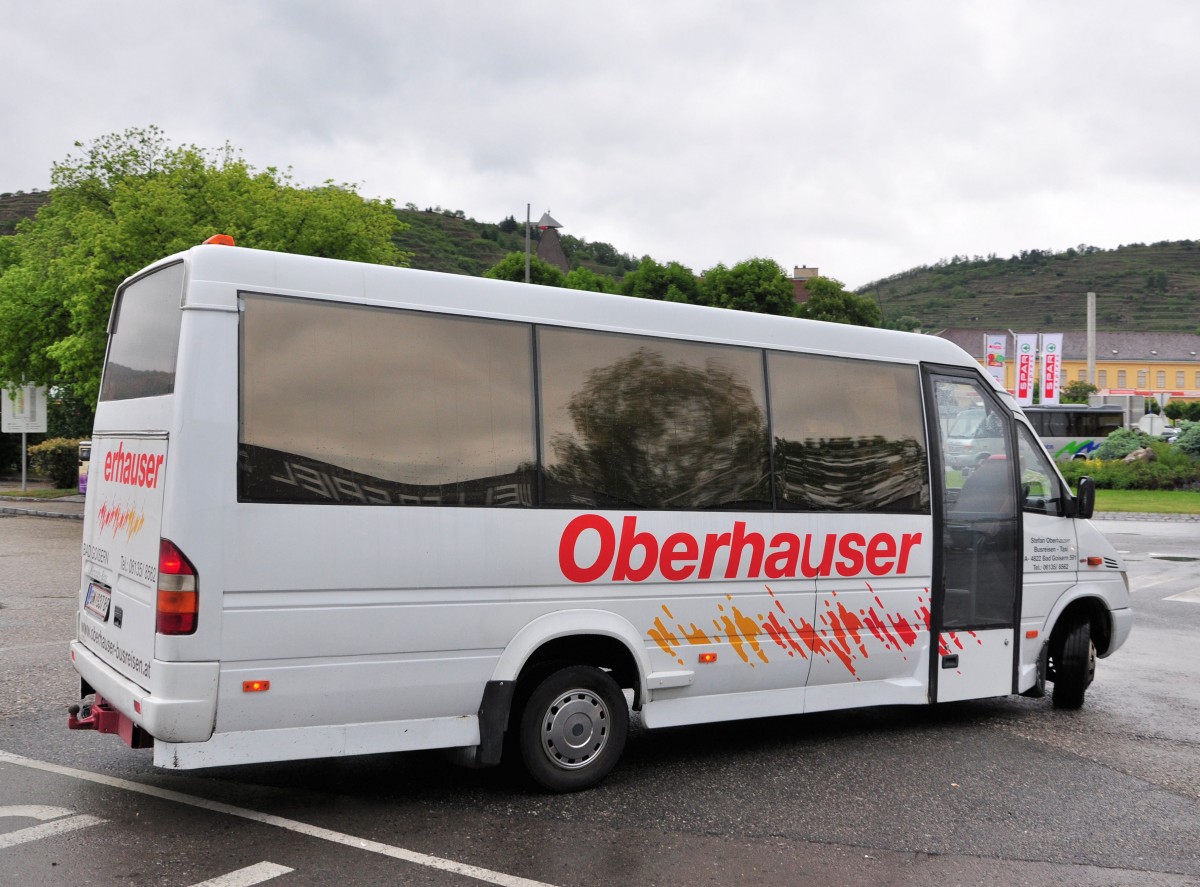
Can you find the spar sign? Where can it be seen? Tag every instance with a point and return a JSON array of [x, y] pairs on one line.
[[1051, 366], [1026, 368]]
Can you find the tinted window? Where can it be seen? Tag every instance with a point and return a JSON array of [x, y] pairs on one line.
[[355, 404], [145, 337], [849, 435], [1040, 489], [631, 421]]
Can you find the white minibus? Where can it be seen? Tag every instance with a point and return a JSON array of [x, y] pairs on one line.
[[338, 509]]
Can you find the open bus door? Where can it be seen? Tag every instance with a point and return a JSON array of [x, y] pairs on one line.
[[977, 569]]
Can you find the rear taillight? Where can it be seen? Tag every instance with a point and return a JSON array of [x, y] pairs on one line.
[[178, 591]]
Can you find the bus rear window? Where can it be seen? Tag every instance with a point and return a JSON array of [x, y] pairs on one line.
[[144, 339]]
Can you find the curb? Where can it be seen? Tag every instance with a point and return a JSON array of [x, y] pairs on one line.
[[1146, 516], [33, 512]]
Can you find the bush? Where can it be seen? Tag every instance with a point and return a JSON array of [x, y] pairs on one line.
[[58, 460], [1121, 443], [1171, 470], [1189, 439]]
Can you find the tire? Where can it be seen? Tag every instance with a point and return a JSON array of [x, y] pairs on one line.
[[573, 729], [1075, 665]]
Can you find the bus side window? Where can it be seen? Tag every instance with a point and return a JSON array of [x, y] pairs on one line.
[[1040, 488]]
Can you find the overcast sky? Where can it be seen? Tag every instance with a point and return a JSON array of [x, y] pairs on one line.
[[863, 138]]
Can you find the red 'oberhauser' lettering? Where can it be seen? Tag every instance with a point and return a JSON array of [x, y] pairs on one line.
[[135, 469], [633, 555]]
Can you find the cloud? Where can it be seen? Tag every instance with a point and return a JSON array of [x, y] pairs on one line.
[[861, 137]]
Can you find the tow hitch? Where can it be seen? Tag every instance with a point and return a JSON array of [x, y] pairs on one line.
[[103, 718]]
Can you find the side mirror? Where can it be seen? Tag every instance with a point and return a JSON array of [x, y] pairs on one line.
[[1085, 498]]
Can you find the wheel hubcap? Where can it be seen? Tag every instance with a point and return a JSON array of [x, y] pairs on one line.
[[575, 729]]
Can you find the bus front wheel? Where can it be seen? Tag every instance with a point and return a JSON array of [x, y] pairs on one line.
[[1074, 666], [573, 728]]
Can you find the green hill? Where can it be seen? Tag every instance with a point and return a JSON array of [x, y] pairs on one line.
[[440, 240], [437, 239], [447, 240], [15, 206], [1138, 288]]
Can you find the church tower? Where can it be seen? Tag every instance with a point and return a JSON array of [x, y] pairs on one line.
[[549, 246]]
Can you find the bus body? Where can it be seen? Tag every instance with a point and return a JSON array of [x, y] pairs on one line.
[[339, 509], [1074, 431]]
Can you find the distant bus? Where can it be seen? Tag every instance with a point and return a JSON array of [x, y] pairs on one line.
[[1074, 431], [85, 456]]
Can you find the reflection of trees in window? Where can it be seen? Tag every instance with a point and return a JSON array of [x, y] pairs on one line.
[[661, 435], [852, 474]]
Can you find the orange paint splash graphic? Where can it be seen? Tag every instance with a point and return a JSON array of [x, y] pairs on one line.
[[742, 632], [669, 642], [844, 634], [120, 520]]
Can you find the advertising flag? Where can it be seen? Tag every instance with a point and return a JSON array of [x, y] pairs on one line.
[[1051, 366], [996, 349], [1026, 368]]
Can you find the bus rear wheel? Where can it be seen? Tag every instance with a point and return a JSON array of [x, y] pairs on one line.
[[573, 729], [1074, 665]]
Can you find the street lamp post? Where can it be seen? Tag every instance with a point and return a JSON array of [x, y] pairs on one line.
[[527, 243]]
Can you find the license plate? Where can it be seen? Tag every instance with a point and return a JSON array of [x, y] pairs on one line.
[[98, 601]]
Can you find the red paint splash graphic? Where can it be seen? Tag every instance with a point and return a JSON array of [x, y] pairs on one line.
[[946, 638], [843, 634], [120, 520]]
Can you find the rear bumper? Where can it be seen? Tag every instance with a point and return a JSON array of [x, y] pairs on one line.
[[182, 708]]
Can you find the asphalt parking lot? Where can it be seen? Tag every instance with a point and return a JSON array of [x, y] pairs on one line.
[[995, 791]]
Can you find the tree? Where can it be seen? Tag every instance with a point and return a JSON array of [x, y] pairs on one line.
[[131, 198], [512, 267], [829, 300], [758, 285], [1156, 281], [1077, 391], [582, 278], [909, 323], [651, 280]]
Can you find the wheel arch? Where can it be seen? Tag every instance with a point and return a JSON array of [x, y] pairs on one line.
[[557, 640], [578, 637], [1084, 605]]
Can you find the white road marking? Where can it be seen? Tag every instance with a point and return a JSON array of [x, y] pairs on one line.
[[434, 862], [47, 830], [1191, 597], [35, 811], [250, 875]]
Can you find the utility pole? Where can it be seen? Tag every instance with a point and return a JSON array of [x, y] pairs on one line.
[[527, 243], [1091, 338]]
